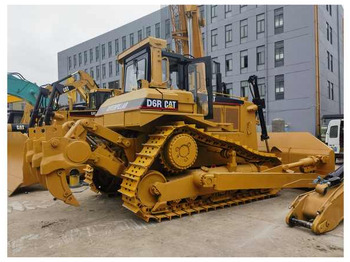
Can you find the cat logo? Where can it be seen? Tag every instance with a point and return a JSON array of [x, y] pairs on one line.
[[66, 89], [20, 127], [170, 104]]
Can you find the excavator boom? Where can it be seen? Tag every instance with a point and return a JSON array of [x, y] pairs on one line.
[[46, 111]]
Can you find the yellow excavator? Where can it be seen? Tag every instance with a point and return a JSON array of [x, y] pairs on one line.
[[45, 112], [171, 148], [322, 209]]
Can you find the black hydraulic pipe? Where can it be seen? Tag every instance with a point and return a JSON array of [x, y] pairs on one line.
[[43, 93], [260, 102], [219, 84], [57, 90]]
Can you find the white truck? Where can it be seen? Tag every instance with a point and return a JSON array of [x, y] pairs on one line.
[[335, 136]]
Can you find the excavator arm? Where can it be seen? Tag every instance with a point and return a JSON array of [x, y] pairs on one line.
[[84, 85], [186, 30], [20, 171], [22, 89]]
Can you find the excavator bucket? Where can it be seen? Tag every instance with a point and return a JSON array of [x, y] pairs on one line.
[[322, 209], [18, 172]]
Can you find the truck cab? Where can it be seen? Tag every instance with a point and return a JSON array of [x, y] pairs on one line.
[[335, 136]]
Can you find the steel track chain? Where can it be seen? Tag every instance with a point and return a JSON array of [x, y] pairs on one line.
[[152, 148]]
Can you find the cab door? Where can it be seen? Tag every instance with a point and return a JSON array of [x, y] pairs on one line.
[[199, 83]]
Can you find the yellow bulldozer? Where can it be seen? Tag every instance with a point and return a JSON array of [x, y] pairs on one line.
[[171, 147], [46, 112]]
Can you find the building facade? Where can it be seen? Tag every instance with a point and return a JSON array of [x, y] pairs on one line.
[[296, 52]]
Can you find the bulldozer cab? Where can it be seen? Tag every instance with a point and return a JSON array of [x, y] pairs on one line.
[[146, 65], [98, 97]]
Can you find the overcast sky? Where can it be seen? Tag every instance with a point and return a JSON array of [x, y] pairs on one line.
[[37, 33]]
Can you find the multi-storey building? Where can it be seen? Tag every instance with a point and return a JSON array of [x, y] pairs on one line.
[[295, 50]]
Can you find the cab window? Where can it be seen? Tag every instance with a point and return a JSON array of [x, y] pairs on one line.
[[134, 72], [333, 133]]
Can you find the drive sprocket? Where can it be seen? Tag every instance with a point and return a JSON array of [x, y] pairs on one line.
[[179, 153]]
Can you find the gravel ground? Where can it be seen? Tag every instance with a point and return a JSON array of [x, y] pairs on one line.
[[39, 226]]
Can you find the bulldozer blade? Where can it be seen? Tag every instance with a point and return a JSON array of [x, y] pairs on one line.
[[18, 172], [56, 183]]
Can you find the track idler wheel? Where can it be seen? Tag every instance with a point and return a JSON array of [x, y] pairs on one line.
[[146, 192], [180, 153]]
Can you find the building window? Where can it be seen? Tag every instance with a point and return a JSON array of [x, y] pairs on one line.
[[228, 10], [80, 59], [110, 69], [213, 12], [69, 62], [331, 35], [131, 39], [97, 53], [124, 43], [329, 9], [157, 28], [85, 57], [203, 40], [116, 68], [229, 88], [327, 28], [243, 8], [214, 36], [103, 71], [92, 72], [148, 31], [330, 90], [228, 63], [91, 55], [116, 46], [244, 59], [139, 35], [330, 61], [213, 69], [113, 84], [260, 55], [167, 28], [103, 51], [104, 85], [262, 87], [244, 89], [260, 25], [279, 53], [279, 20], [244, 30], [75, 60], [228, 33], [97, 72], [279, 87], [109, 49]]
